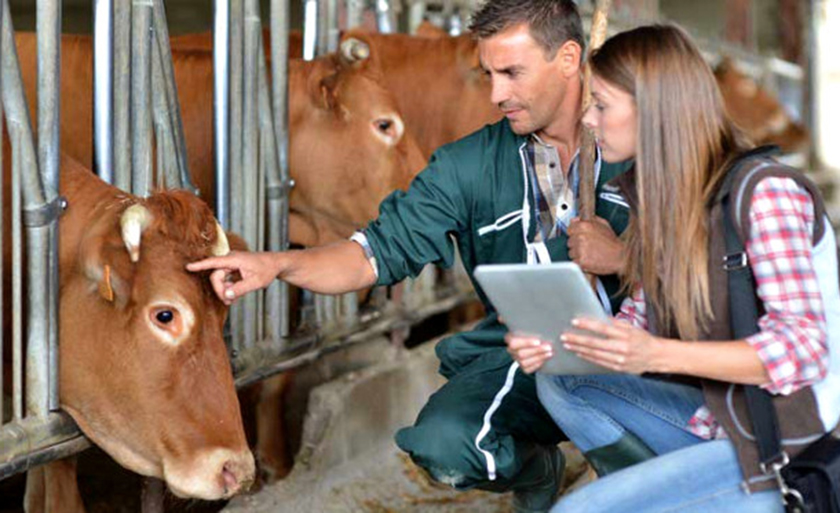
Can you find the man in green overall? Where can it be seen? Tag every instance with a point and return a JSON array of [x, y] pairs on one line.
[[504, 194]]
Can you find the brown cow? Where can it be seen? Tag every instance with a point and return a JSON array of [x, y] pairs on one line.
[[441, 91], [757, 112], [436, 79], [348, 146], [438, 83], [144, 370]]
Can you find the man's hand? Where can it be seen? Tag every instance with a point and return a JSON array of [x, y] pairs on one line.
[[254, 270], [531, 353], [595, 247]]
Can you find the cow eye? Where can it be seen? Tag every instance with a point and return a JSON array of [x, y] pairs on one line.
[[165, 316], [384, 125]]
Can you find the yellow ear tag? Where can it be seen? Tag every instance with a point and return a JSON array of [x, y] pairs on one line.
[[105, 289]]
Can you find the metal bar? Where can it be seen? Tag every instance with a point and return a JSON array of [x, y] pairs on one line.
[[38, 440], [237, 311], [170, 90], [310, 29], [416, 14], [386, 19], [168, 166], [259, 363], [3, 320], [354, 10], [17, 277], [277, 177], [252, 41], [221, 119], [141, 89], [49, 78], [122, 95], [103, 93]]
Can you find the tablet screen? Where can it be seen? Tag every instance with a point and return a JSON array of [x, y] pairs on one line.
[[542, 300]]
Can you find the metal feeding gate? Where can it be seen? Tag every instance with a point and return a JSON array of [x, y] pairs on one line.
[[139, 145]]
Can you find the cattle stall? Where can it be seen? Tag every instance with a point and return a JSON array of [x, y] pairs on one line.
[[139, 146], [139, 110]]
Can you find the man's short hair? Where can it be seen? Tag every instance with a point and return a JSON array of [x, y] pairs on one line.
[[551, 22]]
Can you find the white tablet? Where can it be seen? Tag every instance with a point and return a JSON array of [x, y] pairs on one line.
[[542, 300]]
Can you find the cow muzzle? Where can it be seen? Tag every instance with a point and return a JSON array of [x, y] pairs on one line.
[[215, 475]]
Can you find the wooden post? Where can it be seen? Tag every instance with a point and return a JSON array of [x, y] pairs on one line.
[[586, 192]]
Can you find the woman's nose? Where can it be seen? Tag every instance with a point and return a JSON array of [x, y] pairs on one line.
[[589, 119]]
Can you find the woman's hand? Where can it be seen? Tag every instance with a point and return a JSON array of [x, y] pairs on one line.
[[620, 346], [530, 352]]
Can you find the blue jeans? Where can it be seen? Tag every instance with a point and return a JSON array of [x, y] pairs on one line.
[[596, 411], [704, 477]]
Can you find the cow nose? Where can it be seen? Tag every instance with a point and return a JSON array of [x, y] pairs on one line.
[[238, 474]]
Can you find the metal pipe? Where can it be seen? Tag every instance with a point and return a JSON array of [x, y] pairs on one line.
[[416, 14], [252, 41], [122, 95], [237, 312], [386, 17], [32, 203], [278, 184], [17, 277], [168, 166], [38, 440], [103, 75], [170, 91], [3, 284], [354, 10], [310, 29], [49, 78], [221, 105], [141, 99]]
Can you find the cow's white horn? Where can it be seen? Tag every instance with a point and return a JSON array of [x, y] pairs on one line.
[[221, 248], [354, 50], [134, 220]]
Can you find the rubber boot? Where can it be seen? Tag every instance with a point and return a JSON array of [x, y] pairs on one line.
[[538, 483], [627, 451]]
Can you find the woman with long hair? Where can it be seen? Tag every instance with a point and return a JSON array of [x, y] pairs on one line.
[[676, 399]]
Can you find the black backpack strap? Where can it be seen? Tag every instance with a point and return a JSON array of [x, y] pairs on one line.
[[744, 311]]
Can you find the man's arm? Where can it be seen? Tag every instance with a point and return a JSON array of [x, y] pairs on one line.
[[333, 269]]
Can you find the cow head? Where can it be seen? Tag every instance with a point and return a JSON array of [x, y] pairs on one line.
[[349, 146], [144, 369], [762, 117]]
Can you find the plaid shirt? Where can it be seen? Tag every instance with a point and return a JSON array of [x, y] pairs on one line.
[[792, 339], [553, 192]]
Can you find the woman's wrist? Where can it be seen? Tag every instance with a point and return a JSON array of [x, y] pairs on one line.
[[665, 360]]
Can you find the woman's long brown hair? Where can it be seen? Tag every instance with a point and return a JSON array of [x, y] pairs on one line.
[[684, 142]]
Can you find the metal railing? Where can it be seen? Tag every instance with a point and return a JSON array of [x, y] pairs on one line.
[[137, 97]]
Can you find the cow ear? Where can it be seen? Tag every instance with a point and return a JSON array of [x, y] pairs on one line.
[[236, 242], [105, 262], [327, 88]]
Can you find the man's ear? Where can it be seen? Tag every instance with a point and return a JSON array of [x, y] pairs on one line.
[[569, 58]]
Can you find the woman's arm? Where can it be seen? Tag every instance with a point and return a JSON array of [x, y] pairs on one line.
[[790, 350]]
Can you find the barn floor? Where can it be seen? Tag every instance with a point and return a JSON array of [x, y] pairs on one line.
[[382, 481], [348, 461]]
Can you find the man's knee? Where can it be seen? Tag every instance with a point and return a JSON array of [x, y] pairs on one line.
[[443, 445]]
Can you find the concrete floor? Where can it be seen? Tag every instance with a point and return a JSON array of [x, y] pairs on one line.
[[348, 461]]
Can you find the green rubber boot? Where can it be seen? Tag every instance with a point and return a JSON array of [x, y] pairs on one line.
[[627, 451], [538, 484]]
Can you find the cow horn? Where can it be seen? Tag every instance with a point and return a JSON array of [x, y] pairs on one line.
[[354, 50], [134, 220], [221, 248]]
